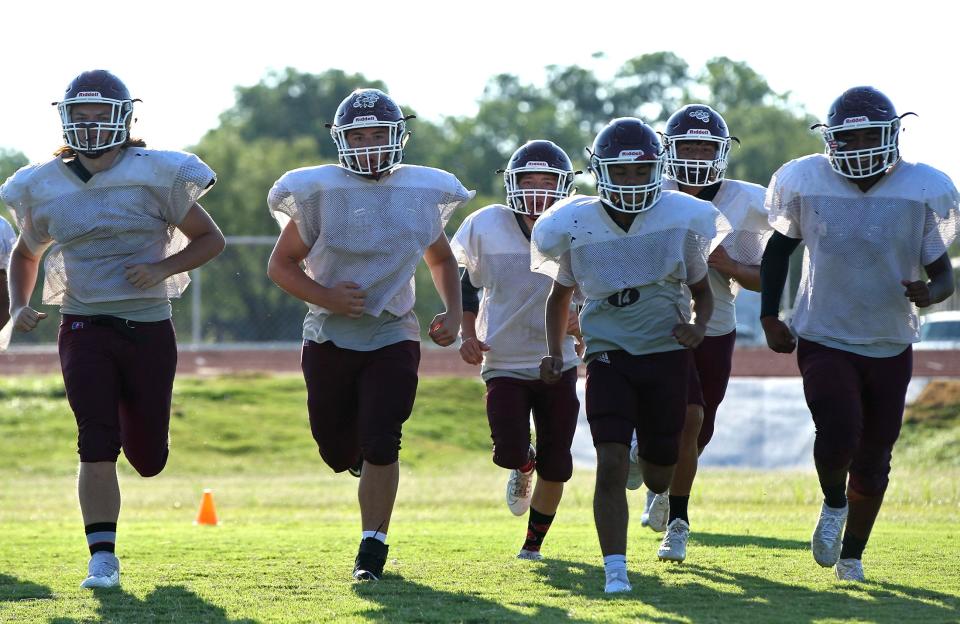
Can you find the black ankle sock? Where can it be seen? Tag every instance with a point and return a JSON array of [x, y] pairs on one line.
[[678, 508], [537, 527], [835, 495], [852, 547], [101, 536]]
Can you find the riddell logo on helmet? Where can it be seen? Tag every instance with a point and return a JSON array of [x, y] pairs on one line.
[[362, 118], [89, 94], [537, 163], [632, 154], [699, 131], [853, 120]]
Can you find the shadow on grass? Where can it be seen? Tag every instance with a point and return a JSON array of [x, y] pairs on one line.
[[169, 603], [760, 541], [401, 600], [13, 589], [708, 594]]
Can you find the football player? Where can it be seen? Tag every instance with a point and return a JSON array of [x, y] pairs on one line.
[[503, 331], [122, 226], [360, 228], [630, 252], [698, 143], [8, 239], [870, 221]]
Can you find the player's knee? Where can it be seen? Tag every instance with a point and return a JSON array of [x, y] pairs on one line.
[[555, 467], [149, 465], [661, 450], [381, 451], [511, 456]]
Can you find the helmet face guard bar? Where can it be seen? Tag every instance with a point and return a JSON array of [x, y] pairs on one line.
[[376, 159], [533, 202], [862, 163], [95, 136], [627, 198], [691, 172]]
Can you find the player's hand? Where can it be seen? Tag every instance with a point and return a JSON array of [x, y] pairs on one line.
[[346, 298], [689, 335], [721, 261], [918, 292], [443, 329], [779, 337], [144, 276], [551, 369], [573, 324], [25, 319], [472, 350]]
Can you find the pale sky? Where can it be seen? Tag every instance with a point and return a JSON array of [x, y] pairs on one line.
[[185, 58]]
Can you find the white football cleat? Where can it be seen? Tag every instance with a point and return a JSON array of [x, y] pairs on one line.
[[674, 544], [102, 571], [530, 555], [520, 488], [635, 473], [850, 570], [658, 513], [827, 538], [617, 581]]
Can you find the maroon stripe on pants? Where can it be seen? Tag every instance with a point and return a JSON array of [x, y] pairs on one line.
[[555, 410], [712, 360], [857, 406], [643, 392], [359, 400], [119, 385]]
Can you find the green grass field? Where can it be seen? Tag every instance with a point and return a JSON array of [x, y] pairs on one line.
[[289, 531]]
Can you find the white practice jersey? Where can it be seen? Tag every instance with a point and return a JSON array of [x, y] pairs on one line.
[[632, 280], [8, 239], [124, 215], [742, 204], [371, 232], [496, 254], [859, 246]]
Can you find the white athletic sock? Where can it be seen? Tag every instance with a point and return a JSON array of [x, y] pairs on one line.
[[377, 535], [613, 563]]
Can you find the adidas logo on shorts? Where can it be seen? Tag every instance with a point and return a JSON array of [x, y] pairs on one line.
[[603, 357]]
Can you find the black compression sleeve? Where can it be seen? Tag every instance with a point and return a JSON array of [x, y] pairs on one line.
[[773, 272], [469, 293]]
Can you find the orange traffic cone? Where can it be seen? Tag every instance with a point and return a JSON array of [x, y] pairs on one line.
[[207, 515]]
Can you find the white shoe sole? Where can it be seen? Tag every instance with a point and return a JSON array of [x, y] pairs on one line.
[[101, 582]]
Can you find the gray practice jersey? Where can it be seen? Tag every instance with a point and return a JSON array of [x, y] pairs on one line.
[[371, 232], [632, 280], [122, 216], [8, 239], [859, 246], [742, 204], [496, 254]]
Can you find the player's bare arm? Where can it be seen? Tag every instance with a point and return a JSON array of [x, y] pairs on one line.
[[446, 277], [206, 243], [346, 298], [24, 266], [691, 335], [557, 317], [925, 294], [746, 275]]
